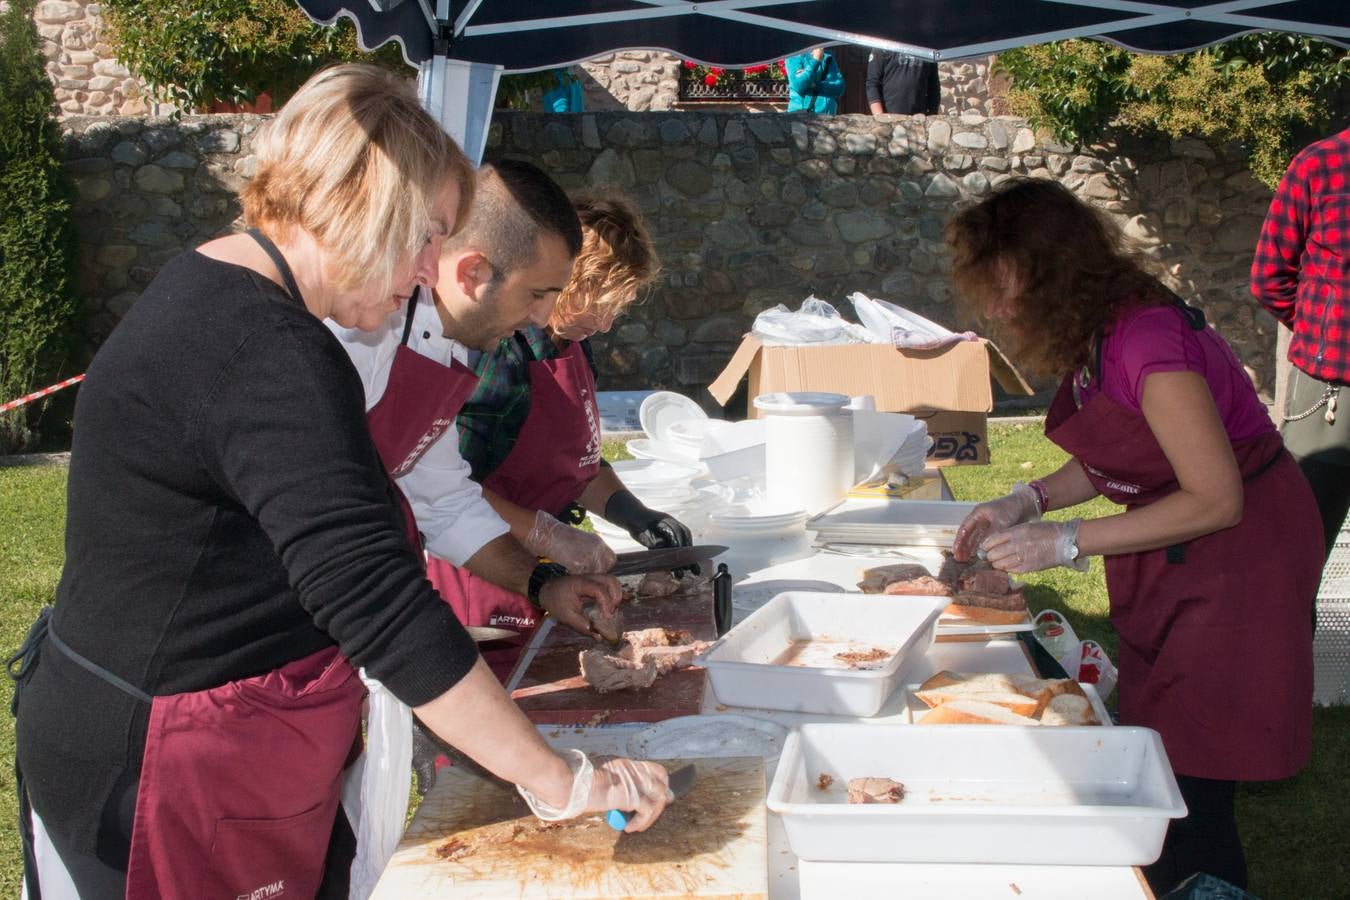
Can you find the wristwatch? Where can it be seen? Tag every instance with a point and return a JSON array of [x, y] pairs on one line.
[[542, 573]]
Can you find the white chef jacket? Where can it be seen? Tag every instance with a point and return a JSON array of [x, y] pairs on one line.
[[451, 513]]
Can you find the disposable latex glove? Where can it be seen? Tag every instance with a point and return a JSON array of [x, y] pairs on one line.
[[641, 788], [573, 549], [565, 598], [1034, 546], [1017, 506], [651, 528]]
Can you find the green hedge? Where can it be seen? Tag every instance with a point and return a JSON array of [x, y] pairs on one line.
[[39, 313]]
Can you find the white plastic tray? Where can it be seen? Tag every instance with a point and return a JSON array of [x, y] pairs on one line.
[[872, 520], [743, 668], [915, 708], [979, 794]]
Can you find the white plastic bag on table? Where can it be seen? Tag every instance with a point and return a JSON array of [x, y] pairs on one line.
[[375, 788], [1096, 668], [817, 322], [891, 324], [1057, 636]]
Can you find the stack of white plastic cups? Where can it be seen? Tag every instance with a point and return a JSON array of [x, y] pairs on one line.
[[808, 451]]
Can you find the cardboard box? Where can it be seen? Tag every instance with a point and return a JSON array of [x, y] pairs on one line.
[[948, 388]]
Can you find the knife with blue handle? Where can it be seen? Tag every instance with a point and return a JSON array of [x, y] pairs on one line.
[[681, 780]]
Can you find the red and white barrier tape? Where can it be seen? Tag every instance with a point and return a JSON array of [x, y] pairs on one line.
[[38, 395]]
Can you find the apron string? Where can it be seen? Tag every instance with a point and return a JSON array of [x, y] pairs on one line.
[[408, 322], [20, 667], [280, 262]]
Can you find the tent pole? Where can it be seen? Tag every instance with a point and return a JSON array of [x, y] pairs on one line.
[[459, 95]]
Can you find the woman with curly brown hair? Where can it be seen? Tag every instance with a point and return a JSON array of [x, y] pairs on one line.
[[1213, 565], [531, 431]]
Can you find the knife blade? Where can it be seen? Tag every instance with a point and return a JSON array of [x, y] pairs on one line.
[[642, 561], [680, 781], [531, 650], [483, 634]]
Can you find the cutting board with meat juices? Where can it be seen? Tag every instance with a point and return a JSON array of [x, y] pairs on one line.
[[552, 691], [476, 838]]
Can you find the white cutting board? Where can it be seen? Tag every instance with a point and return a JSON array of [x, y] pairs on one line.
[[473, 838]]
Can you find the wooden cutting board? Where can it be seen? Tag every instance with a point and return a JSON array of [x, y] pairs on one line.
[[552, 691], [475, 838]]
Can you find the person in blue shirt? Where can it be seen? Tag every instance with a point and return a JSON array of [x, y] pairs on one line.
[[815, 82], [566, 96]]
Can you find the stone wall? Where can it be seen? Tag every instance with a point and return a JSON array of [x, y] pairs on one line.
[[648, 80], [747, 211], [88, 78]]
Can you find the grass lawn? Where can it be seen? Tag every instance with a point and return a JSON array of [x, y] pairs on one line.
[[1295, 830]]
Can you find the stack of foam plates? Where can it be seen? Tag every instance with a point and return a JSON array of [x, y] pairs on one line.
[[663, 409], [757, 539], [915, 523]]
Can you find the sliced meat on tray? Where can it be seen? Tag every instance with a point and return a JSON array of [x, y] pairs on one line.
[[902, 578], [875, 790]]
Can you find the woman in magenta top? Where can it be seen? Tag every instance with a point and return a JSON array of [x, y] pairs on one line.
[[1212, 566]]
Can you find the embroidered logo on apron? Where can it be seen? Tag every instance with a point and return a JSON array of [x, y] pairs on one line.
[[1113, 484], [267, 891], [513, 621], [437, 429], [592, 456]]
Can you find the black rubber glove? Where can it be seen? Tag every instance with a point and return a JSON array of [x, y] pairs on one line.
[[649, 527]]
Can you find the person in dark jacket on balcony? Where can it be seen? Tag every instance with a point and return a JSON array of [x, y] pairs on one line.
[[898, 83]]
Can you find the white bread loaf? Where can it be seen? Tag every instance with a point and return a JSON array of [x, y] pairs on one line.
[[973, 712], [1018, 703]]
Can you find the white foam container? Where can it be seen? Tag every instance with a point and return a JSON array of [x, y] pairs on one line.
[[1085, 796], [740, 665]]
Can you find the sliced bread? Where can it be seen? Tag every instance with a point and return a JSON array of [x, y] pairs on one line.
[[973, 712]]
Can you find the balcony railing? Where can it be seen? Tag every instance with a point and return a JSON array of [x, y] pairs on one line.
[[733, 85]]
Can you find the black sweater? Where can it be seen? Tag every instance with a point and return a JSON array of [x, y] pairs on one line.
[[227, 513]]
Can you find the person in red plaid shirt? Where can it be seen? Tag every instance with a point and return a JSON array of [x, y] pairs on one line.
[[1301, 274]]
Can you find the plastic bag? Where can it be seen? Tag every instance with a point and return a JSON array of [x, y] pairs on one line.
[[1096, 668], [891, 324], [1057, 636], [817, 322], [375, 788]]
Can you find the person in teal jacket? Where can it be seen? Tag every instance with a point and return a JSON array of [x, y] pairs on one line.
[[566, 95], [815, 82]]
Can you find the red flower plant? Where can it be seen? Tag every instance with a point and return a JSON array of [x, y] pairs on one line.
[[710, 80], [688, 64]]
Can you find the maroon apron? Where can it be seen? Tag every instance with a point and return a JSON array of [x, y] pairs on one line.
[[418, 407], [555, 456], [1215, 645], [240, 783]]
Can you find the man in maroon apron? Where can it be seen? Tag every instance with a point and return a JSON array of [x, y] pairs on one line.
[[531, 431], [1214, 565]]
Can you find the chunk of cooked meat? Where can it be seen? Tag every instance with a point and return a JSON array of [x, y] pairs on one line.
[[901, 578], [667, 659], [923, 586], [824, 781], [976, 576], [658, 584], [658, 637], [608, 627], [646, 654], [875, 790], [1011, 601], [606, 672]]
